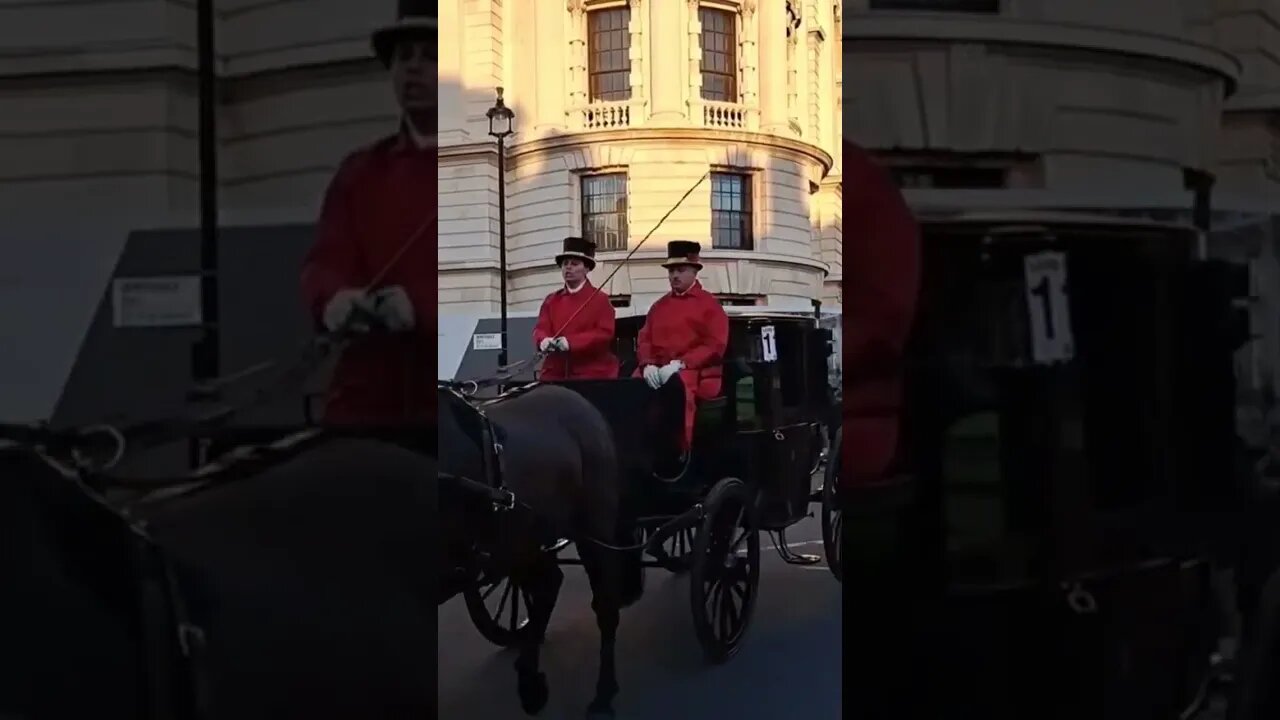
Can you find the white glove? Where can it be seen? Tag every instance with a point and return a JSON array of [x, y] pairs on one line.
[[562, 343], [394, 308], [651, 373], [666, 371], [341, 305], [545, 345]]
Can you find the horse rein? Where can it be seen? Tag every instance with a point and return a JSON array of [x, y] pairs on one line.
[[41, 437], [626, 260], [506, 372]]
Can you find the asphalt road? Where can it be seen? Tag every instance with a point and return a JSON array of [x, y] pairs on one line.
[[789, 665]]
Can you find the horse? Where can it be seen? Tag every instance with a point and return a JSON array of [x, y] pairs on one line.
[[559, 462], [72, 625], [308, 581], [1257, 694]]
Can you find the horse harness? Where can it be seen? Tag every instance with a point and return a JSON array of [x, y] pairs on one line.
[[165, 614], [165, 618], [490, 485]]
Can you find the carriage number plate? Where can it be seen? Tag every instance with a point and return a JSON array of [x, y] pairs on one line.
[[1049, 310], [768, 344]]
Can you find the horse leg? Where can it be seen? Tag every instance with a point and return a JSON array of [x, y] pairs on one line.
[[543, 580], [605, 574]]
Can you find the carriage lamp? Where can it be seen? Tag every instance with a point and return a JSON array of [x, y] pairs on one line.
[[500, 117]]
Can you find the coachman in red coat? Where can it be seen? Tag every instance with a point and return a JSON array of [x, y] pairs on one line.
[[685, 333], [575, 323], [882, 247], [379, 217]]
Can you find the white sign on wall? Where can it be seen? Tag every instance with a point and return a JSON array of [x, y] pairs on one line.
[[159, 301], [1049, 309], [486, 341]]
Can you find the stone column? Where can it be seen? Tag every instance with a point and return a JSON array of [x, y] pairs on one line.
[[639, 89], [452, 112], [772, 24], [576, 44], [666, 65], [749, 60], [551, 43], [695, 59]]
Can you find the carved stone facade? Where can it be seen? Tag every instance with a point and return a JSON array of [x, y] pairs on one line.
[[663, 136]]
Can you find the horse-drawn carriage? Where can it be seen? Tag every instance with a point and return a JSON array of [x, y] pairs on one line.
[[1069, 428], [755, 451]]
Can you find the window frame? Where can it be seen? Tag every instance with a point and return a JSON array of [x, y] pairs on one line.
[[593, 14], [584, 230], [748, 226], [732, 17]]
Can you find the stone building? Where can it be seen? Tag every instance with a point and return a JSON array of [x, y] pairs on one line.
[[1106, 107], [620, 108]]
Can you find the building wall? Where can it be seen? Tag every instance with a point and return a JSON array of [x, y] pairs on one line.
[[1085, 102], [103, 108], [784, 132]]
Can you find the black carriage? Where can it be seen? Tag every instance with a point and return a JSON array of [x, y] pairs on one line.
[[755, 451], [1069, 427]]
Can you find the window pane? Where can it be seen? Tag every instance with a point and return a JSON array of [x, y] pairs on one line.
[[604, 210], [609, 54], [731, 219], [719, 55]]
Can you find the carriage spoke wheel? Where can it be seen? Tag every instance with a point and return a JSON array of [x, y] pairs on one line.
[[499, 608], [679, 550], [832, 518], [725, 570]]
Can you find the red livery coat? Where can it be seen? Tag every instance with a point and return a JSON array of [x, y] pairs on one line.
[[694, 329], [379, 199], [882, 257], [590, 335]]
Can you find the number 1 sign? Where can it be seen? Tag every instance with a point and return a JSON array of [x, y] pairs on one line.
[[768, 344], [1047, 304]]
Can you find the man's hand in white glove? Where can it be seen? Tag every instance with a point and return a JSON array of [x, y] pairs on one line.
[[562, 343], [651, 373], [394, 308], [545, 345], [666, 371], [341, 305]]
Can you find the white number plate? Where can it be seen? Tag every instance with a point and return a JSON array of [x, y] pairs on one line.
[[1049, 310], [768, 344]]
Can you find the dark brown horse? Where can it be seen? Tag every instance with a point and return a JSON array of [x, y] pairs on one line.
[[309, 581], [558, 460]]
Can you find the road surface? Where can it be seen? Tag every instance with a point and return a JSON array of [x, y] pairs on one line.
[[789, 665]]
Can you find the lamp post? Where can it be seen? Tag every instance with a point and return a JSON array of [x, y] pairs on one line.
[[205, 355], [500, 117]]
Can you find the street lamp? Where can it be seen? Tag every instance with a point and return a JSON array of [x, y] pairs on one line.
[[500, 117]]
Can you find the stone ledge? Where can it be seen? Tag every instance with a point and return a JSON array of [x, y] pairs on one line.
[[926, 27]]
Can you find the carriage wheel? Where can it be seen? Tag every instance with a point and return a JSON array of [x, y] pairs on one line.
[[726, 570], [680, 550], [832, 518], [499, 609]]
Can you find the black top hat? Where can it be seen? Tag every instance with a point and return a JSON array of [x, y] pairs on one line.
[[576, 247], [414, 19], [683, 252]]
